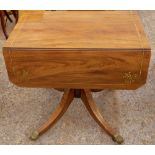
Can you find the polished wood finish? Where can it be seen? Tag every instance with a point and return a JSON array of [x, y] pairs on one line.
[[78, 49], [78, 30], [84, 69], [81, 51], [15, 14], [86, 96], [90, 104], [57, 114], [7, 15], [87, 99], [2, 14]]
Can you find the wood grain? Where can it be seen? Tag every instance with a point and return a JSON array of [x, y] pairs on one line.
[[78, 49], [78, 69], [87, 98], [79, 29], [66, 100]]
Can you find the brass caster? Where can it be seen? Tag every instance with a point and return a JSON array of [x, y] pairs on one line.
[[34, 135], [118, 139]]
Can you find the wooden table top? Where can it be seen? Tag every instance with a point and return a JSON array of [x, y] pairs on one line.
[[78, 49], [78, 30]]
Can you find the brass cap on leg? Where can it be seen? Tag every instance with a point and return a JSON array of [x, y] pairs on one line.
[[34, 135], [118, 138]]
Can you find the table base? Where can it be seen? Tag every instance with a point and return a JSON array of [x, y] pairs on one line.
[[86, 96]]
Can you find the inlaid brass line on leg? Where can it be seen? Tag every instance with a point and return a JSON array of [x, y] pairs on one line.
[[67, 98], [87, 98]]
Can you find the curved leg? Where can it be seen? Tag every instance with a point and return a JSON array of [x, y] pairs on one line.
[[57, 114], [87, 98], [3, 24], [7, 15], [15, 14]]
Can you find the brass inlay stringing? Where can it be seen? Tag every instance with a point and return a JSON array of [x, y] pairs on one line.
[[22, 74], [130, 77]]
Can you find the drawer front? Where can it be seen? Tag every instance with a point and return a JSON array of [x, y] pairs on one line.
[[77, 69]]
